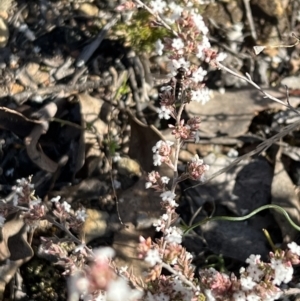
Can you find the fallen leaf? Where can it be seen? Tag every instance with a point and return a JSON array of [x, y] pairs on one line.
[[13, 246], [142, 139], [284, 195]]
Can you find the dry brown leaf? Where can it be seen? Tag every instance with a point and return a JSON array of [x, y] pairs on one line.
[[142, 139], [36, 153], [13, 246], [32, 130], [284, 195]]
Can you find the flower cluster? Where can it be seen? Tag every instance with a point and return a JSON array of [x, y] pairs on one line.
[[258, 281], [99, 281], [155, 181], [24, 197], [189, 41], [68, 217], [162, 153], [196, 169]]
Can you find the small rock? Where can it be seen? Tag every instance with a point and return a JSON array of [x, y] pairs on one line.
[[89, 9], [185, 155], [129, 167], [95, 225], [4, 33], [39, 77]]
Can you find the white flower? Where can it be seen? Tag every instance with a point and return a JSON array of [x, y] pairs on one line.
[[247, 283], [177, 43], [283, 272], [201, 95], [81, 215], [179, 287], [161, 223], [123, 269], [167, 195], [56, 199], [66, 206], [158, 6], [159, 46], [165, 180], [172, 203], [157, 160], [165, 217], [173, 235], [119, 290], [221, 56], [253, 259], [198, 75], [163, 113], [294, 248], [148, 185], [202, 46], [159, 144], [104, 253], [152, 257], [175, 64], [176, 11], [254, 272], [200, 23], [158, 225]]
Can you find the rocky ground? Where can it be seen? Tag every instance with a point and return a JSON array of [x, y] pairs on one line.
[[77, 115]]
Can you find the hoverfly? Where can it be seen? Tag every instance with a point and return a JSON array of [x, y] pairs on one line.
[[175, 83], [179, 86]]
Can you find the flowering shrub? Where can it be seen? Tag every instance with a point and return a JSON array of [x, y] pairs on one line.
[[92, 274]]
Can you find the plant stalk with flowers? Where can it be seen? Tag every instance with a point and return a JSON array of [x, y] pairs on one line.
[[92, 273], [259, 281]]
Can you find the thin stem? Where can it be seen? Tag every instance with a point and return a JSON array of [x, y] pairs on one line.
[[63, 228], [250, 19], [251, 82], [177, 147], [245, 217], [157, 17], [179, 275], [269, 239]]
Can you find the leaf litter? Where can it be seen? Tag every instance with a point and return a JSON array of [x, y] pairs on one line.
[[62, 122]]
